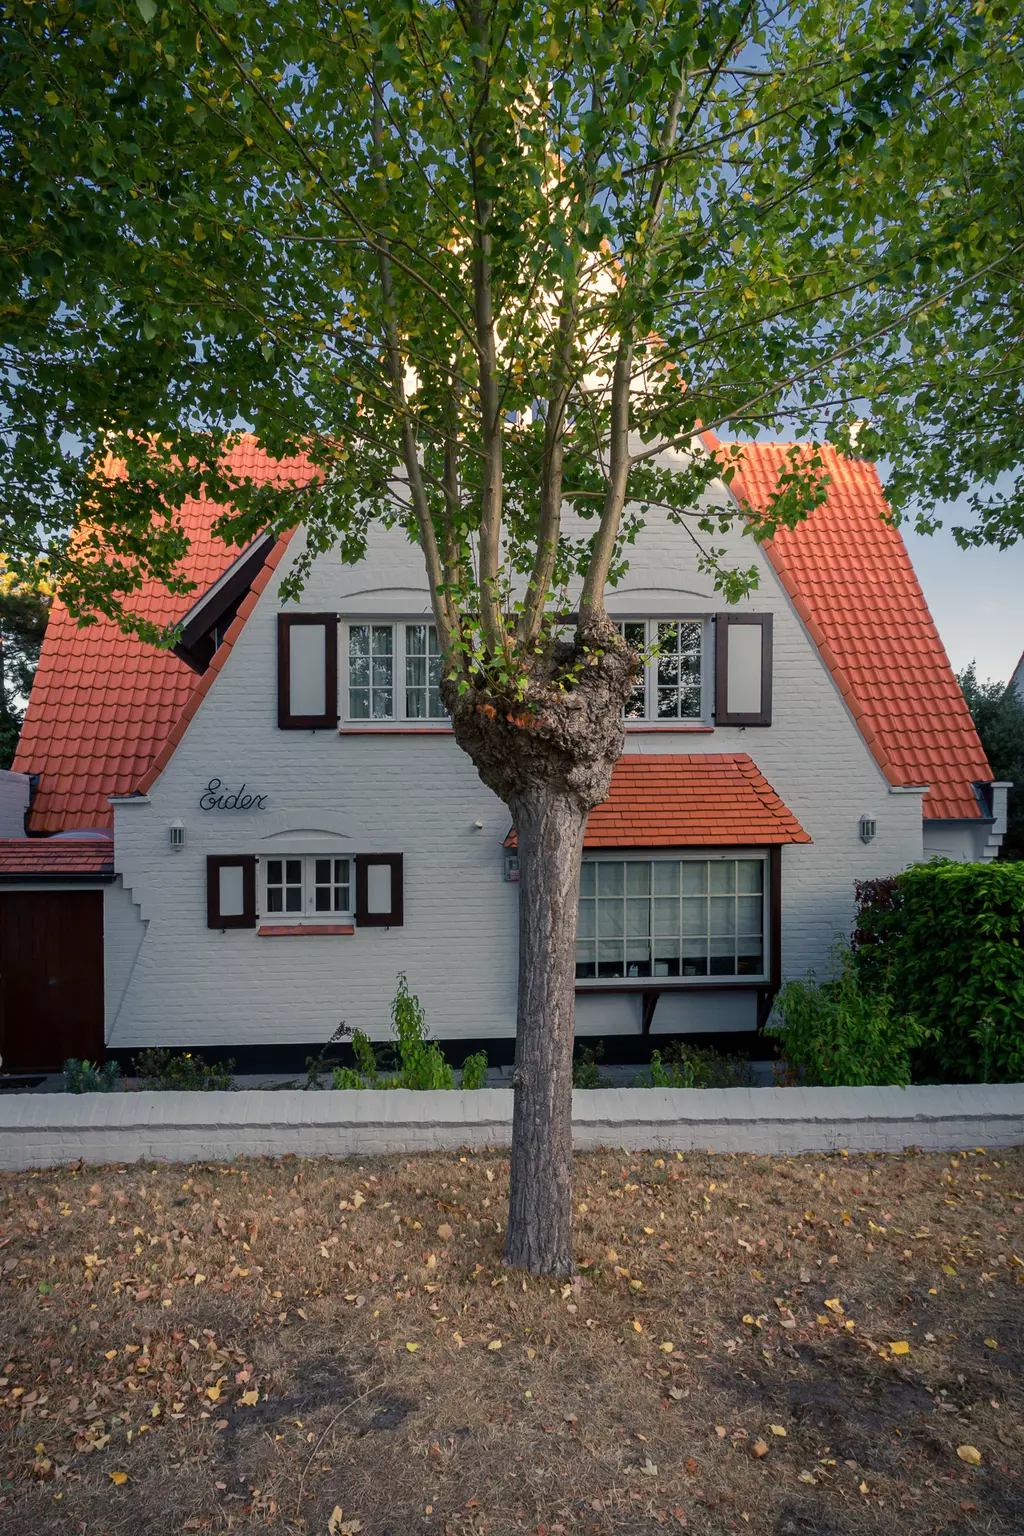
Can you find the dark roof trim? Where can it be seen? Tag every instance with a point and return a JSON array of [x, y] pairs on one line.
[[218, 605]]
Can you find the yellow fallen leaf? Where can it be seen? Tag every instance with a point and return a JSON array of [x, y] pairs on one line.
[[901, 1347], [668, 1346], [198, 1279], [990, 1342], [111, 1353], [337, 1525], [777, 1429], [358, 1200], [444, 1231], [118, 1478], [760, 1448], [494, 1344], [213, 1393], [864, 1488], [412, 1348], [249, 1399], [835, 1305], [970, 1454], [805, 1477]]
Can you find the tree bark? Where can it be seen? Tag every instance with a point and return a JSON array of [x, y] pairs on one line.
[[550, 758]]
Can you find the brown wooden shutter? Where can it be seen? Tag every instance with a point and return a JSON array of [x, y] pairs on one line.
[[380, 900], [231, 890], [743, 669], [307, 671]]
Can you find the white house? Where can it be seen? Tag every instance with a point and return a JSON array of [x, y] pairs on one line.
[[236, 846]]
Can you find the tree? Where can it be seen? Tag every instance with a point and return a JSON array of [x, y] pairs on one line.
[[24, 609], [492, 266], [998, 714]]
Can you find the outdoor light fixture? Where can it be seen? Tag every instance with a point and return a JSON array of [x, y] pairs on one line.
[[867, 828], [176, 835], [512, 867]]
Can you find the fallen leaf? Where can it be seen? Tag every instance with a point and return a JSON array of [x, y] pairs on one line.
[[494, 1344], [806, 1477], [444, 1231], [720, 1431], [760, 1448], [777, 1429], [412, 1348], [990, 1342], [249, 1399], [337, 1525], [970, 1454], [648, 1468], [118, 1478], [864, 1488], [901, 1347], [668, 1346]]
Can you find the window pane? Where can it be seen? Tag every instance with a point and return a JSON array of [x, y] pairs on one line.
[[609, 919], [586, 963], [679, 669], [292, 899], [370, 672], [638, 879], [323, 898], [750, 960], [588, 879], [666, 878], [749, 874], [638, 918], [293, 871], [634, 631], [695, 915], [748, 914], [423, 673], [723, 875], [695, 878], [609, 959], [666, 916], [586, 927], [323, 871], [609, 879], [723, 917], [275, 899], [273, 871]]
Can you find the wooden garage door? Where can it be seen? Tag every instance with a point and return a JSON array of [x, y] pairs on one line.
[[51, 978]]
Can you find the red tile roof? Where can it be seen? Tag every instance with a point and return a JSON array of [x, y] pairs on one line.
[[55, 857], [851, 581], [104, 703], [689, 800], [107, 711]]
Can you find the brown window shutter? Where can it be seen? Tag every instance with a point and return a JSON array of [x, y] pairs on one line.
[[307, 671], [231, 890], [380, 898], [743, 669]]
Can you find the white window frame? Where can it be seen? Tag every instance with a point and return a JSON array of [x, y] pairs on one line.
[[650, 719], [308, 912], [691, 856], [398, 718]]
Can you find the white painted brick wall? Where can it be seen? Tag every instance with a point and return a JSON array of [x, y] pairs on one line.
[[43, 1130], [421, 796]]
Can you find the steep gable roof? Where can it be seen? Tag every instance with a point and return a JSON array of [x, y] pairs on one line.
[[849, 574], [107, 711], [103, 703]]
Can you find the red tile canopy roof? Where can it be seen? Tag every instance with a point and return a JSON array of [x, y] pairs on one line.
[[106, 710], [690, 800], [851, 581], [37, 858], [103, 703]]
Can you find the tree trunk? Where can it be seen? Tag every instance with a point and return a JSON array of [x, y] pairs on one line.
[[550, 826], [550, 758]]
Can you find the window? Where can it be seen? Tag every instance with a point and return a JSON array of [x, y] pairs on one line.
[[671, 685], [671, 917], [309, 886], [379, 655], [307, 671]]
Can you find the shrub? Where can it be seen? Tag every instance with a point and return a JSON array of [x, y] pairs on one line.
[[347, 1077], [474, 1070], [161, 1069], [421, 1062], [842, 1033], [694, 1066], [585, 1070], [946, 941], [87, 1077]]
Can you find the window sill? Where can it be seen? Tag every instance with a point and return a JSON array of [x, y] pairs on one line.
[[304, 930], [670, 983], [384, 729], [669, 725]]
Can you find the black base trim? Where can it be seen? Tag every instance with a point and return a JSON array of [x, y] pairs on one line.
[[618, 1050]]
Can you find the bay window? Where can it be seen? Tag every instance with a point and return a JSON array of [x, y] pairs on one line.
[[394, 672], [672, 683], [672, 917]]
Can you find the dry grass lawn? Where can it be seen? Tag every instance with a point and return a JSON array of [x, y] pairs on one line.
[[800, 1347]]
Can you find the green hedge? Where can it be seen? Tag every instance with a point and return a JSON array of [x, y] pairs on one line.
[[946, 941]]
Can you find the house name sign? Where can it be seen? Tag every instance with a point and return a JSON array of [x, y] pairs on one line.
[[216, 798]]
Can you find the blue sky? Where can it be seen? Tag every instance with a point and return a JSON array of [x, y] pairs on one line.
[[977, 600]]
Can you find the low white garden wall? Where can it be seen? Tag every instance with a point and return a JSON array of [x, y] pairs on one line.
[[41, 1130]]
